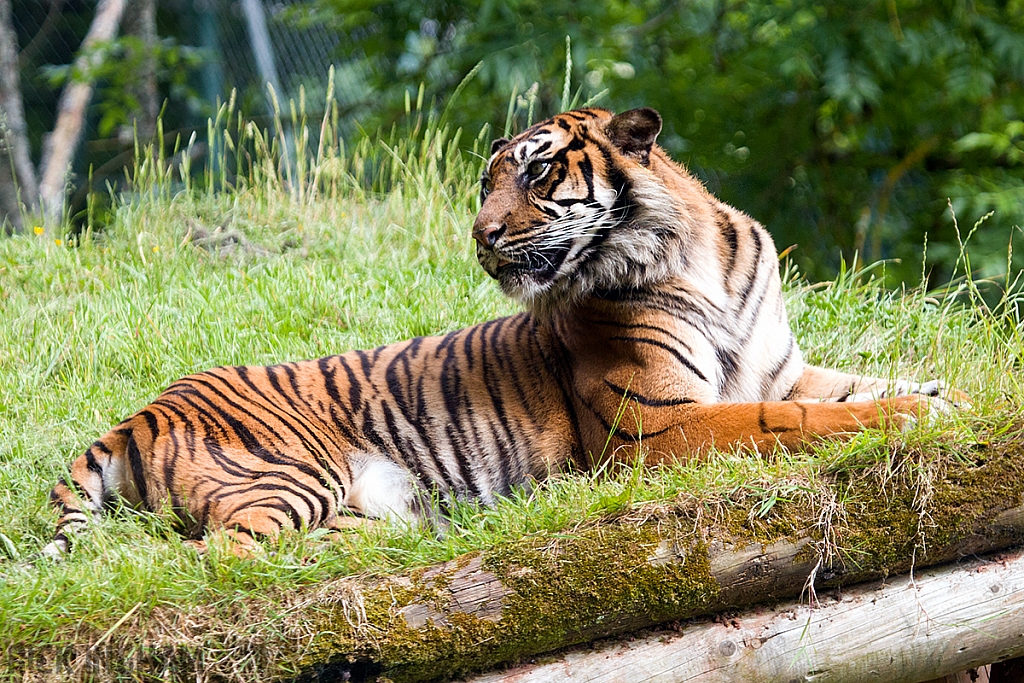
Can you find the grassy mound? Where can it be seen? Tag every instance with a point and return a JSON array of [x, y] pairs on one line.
[[319, 251]]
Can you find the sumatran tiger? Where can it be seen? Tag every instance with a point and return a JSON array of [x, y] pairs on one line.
[[655, 324]]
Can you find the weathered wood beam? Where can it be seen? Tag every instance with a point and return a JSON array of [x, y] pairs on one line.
[[919, 627]]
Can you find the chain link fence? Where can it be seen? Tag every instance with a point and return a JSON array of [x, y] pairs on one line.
[[206, 48], [302, 53]]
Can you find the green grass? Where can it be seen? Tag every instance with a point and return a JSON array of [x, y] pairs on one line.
[[92, 329]]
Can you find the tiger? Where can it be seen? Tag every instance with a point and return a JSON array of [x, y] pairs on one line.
[[653, 326]]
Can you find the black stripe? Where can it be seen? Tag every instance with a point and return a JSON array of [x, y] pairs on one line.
[[586, 167], [405, 396], [555, 178], [730, 367], [623, 210], [456, 402], [138, 473], [646, 401], [517, 339], [762, 421], [291, 419], [773, 375], [467, 345], [255, 448], [675, 352], [618, 432], [278, 503], [492, 383], [729, 233], [640, 326], [754, 269], [171, 459], [91, 464], [330, 380], [556, 368], [287, 420], [334, 446]]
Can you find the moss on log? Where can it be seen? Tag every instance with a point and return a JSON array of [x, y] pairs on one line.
[[540, 594], [940, 622]]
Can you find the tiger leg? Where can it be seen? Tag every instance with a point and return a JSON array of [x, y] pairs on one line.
[[238, 542], [98, 475], [379, 490], [765, 426], [831, 385], [248, 515]]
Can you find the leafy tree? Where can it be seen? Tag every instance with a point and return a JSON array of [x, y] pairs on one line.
[[846, 127]]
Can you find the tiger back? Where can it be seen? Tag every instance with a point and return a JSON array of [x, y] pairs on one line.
[[654, 326]]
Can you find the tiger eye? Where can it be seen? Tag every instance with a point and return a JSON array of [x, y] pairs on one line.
[[536, 168]]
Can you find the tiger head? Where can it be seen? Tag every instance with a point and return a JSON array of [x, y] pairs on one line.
[[578, 204]]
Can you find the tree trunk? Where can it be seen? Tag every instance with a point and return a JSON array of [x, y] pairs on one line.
[[913, 628], [74, 101], [18, 184], [140, 21], [10, 205]]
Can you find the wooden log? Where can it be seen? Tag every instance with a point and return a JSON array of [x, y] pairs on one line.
[[914, 628], [741, 573], [541, 594]]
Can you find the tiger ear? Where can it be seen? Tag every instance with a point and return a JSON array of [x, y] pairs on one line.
[[634, 131], [498, 144]]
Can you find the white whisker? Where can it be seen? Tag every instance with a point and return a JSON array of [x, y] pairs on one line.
[[565, 230]]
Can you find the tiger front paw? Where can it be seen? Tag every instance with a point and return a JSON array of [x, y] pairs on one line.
[[938, 391], [917, 409], [935, 389], [902, 387]]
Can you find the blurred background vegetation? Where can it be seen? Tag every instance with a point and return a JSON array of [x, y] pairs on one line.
[[848, 127]]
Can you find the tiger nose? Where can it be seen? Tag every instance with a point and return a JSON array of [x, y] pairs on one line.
[[488, 234]]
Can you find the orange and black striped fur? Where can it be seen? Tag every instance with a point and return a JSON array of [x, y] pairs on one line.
[[647, 298]]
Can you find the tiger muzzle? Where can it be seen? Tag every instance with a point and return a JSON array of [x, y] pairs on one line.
[[487, 235]]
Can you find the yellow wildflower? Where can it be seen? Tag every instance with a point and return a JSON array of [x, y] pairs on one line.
[[58, 242], [38, 230]]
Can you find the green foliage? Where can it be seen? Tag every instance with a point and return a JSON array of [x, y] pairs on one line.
[[118, 70], [844, 126]]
